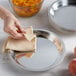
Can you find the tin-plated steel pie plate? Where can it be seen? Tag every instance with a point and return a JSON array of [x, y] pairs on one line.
[[47, 55], [62, 15]]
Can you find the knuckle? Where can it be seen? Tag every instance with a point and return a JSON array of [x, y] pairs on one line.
[[17, 20], [10, 29], [5, 30]]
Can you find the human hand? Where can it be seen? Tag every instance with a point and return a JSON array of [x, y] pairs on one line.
[[12, 27]]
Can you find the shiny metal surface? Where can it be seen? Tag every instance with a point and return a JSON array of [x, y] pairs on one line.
[[56, 58], [57, 6]]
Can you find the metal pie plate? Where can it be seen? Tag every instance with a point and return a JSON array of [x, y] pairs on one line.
[[47, 55], [62, 15]]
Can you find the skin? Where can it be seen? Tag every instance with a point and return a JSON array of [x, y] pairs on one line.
[[11, 24]]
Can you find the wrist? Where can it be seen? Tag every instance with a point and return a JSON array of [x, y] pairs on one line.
[[4, 13], [9, 15]]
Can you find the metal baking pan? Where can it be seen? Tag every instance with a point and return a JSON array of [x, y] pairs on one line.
[[62, 15], [47, 55]]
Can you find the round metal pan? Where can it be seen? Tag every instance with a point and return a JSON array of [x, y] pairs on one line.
[[50, 52], [62, 15]]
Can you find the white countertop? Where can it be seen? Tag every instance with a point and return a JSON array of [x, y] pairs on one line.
[[39, 21]]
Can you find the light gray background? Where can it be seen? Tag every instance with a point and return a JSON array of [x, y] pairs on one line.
[[38, 21]]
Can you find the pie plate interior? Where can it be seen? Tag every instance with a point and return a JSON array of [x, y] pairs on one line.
[[47, 55], [62, 15]]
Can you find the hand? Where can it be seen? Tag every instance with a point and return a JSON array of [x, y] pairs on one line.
[[12, 27]]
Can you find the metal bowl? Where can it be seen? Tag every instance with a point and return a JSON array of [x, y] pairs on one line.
[[62, 15], [47, 55]]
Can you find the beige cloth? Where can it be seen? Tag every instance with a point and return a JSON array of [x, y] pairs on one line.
[[29, 35], [21, 45]]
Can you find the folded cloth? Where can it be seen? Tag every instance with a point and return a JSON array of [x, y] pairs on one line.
[[28, 44], [29, 35], [21, 44]]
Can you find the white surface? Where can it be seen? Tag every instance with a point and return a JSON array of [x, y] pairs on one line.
[[38, 21]]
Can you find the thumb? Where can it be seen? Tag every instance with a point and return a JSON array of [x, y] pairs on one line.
[[19, 28]]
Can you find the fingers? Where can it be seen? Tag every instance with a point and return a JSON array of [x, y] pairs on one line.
[[14, 34], [14, 29], [20, 29]]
